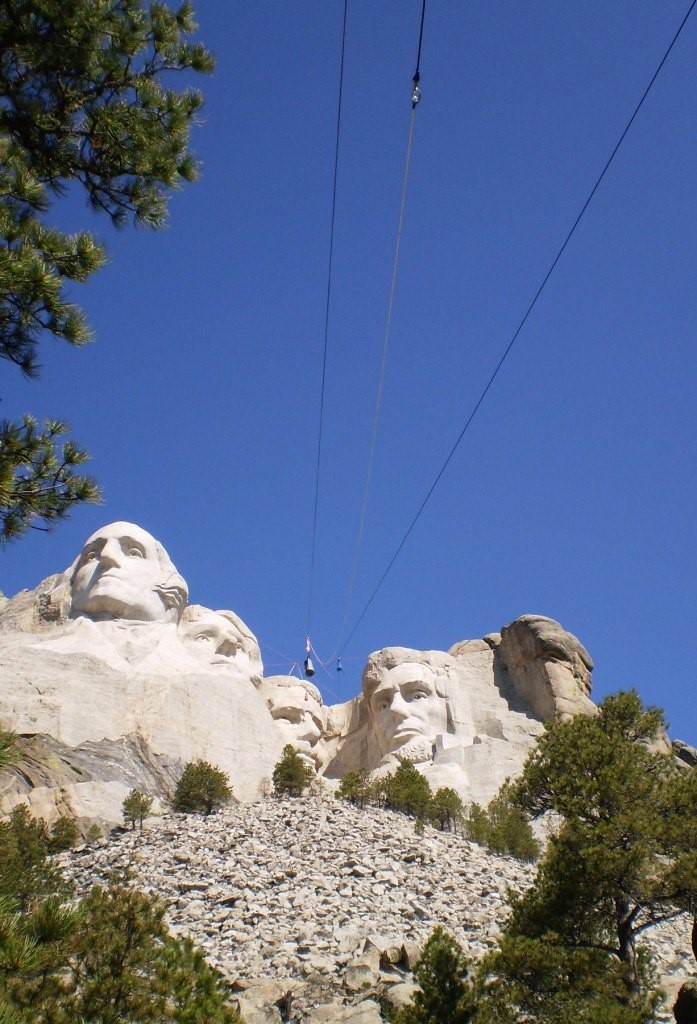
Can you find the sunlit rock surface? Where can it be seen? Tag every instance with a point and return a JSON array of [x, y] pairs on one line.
[[114, 681], [103, 664], [318, 899]]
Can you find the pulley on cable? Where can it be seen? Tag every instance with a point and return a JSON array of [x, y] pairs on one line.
[[307, 664]]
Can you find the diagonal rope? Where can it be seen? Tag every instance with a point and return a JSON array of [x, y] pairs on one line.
[[326, 323], [520, 326]]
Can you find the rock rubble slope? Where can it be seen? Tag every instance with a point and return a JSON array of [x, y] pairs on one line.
[[306, 905]]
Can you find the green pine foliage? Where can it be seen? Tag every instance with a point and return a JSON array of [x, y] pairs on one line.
[[202, 788], [356, 788], [94, 833], [446, 810], [446, 996], [40, 478], [543, 981], [84, 103], [623, 857], [407, 790], [25, 872], [108, 960], [34, 947], [131, 970], [64, 835], [291, 776], [9, 751], [503, 827], [136, 807]]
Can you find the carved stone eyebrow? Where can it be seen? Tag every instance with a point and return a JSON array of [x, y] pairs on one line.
[[411, 683], [96, 545], [287, 709], [385, 694], [132, 542]]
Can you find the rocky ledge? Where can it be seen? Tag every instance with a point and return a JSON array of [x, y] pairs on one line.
[[314, 909]]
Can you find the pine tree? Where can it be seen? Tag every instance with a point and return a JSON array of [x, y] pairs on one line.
[[407, 790], [201, 788], [136, 807], [622, 860], [445, 996], [64, 835], [26, 874], [83, 103], [356, 788], [446, 809], [110, 959], [543, 981], [502, 827], [9, 750], [292, 775]]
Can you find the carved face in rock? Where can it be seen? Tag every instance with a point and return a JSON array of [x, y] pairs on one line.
[[408, 710], [124, 573], [296, 707], [220, 638]]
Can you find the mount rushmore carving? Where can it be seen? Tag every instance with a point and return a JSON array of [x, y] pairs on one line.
[[113, 680]]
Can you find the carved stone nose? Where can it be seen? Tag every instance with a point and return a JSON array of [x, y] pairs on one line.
[[111, 552], [399, 706]]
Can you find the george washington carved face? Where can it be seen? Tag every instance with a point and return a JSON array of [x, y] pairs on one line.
[[124, 573]]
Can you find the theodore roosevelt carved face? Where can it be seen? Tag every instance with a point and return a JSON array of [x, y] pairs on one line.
[[408, 709], [124, 573], [296, 708]]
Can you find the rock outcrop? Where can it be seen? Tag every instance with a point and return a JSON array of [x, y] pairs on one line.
[[549, 668], [113, 680]]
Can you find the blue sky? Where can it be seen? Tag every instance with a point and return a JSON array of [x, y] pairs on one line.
[[572, 494]]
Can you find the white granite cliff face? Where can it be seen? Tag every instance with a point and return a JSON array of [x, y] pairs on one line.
[[466, 718], [113, 680], [119, 682]]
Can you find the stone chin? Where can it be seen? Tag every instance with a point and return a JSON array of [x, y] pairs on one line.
[[416, 750]]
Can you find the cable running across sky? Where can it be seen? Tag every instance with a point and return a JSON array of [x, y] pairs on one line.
[[519, 328], [326, 321], [415, 97]]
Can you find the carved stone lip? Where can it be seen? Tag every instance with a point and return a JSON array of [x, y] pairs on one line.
[[407, 732], [110, 574]]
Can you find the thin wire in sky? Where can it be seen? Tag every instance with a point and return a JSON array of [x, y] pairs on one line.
[[326, 322], [518, 329], [416, 93]]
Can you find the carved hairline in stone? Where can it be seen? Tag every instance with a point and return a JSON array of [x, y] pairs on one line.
[[279, 682], [174, 592], [553, 638], [194, 612]]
